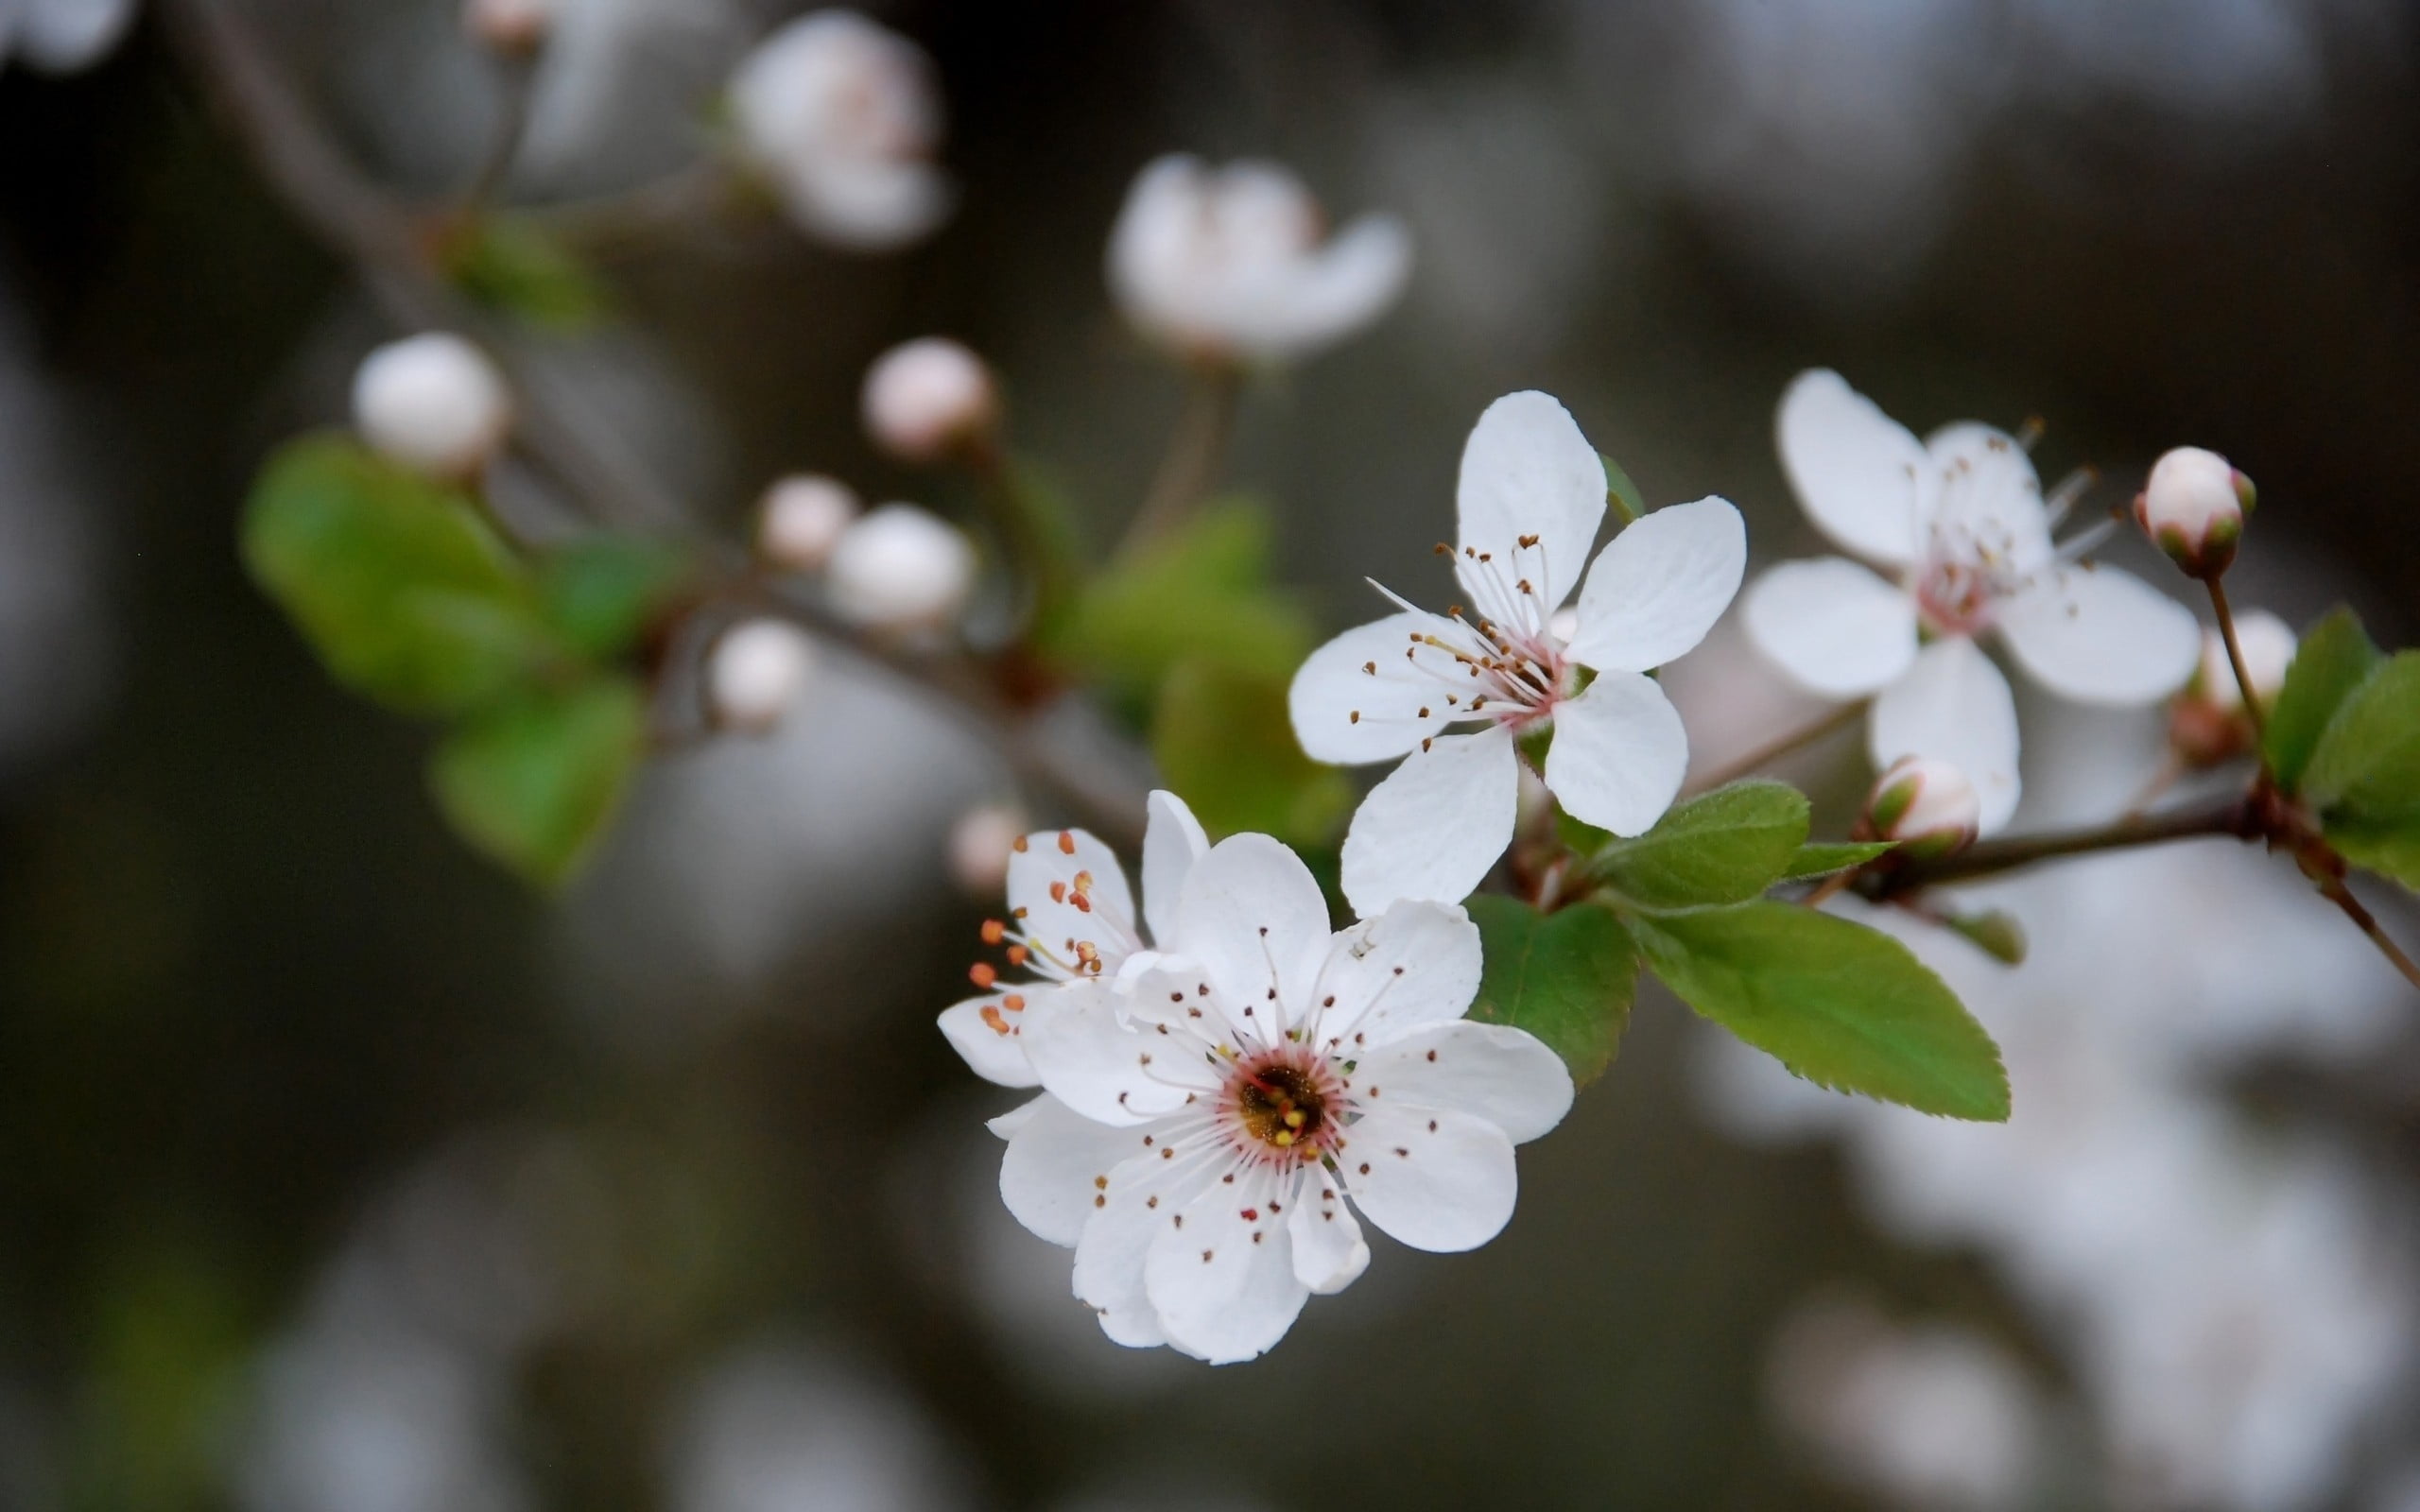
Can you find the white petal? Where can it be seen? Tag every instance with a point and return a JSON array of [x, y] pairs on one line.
[[1088, 1056], [1436, 1179], [1990, 507], [1060, 856], [1490, 1070], [1436, 825], [1329, 1252], [1417, 964], [1361, 698], [995, 1056], [1328, 295], [1526, 471], [1831, 626], [1144, 1195], [1618, 754], [1953, 706], [1660, 585], [1172, 842], [2100, 636], [1223, 1281], [1860, 475], [1252, 916], [1007, 1125], [1057, 1169]]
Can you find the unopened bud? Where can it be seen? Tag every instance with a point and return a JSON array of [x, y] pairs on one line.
[[979, 844], [802, 519], [515, 29], [900, 568], [1927, 806], [928, 398], [2208, 723], [2194, 508], [755, 673], [1995, 934], [433, 403]]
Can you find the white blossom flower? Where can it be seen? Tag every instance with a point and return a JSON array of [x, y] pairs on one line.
[[1532, 495], [840, 116], [755, 673], [1232, 264], [1960, 522], [981, 842], [900, 568], [63, 36], [1205, 1121], [925, 398], [1071, 918], [2192, 507], [433, 403], [802, 519]]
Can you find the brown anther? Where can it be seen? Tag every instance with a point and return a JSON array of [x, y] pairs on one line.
[[1371, 667], [982, 975], [1524, 585], [1425, 744], [1443, 550], [1017, 845], [1529, 540], [1355, 717], [1058, 892]]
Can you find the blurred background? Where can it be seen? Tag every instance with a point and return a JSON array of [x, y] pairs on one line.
[[345, 1174]]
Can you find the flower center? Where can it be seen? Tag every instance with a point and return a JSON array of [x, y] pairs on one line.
[[1954, 596], [1283, 1100]]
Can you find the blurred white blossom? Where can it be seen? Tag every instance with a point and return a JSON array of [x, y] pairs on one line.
[[928, 397], [801, 519], [900, 568], [776, 1428], [433, 403], [63, 36], [756, 671]]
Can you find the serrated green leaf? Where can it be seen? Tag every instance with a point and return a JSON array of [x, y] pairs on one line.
[[603, 593], [512, 267], [1620, 492], [2367, 764], [1822, 858], [397, 582], [532, 783], [2389, 848], [1226, 744], [1845, 1007], [2330, 660], [1724, 848], [1568, 978]]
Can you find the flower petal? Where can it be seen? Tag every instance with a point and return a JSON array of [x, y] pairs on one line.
[[1172, 842], [1056, 1168], [2098, 635], [1953, 706], [1832, 626], [1660, 585], [1490, 1070], [1417, 964], [1107, 1069], [1363, 697], [1860, 475], [995, 1056], [1436, 825], [1252, 916], [1324, 298], [1990, 507], [1145, 1196], [1049, 858], [1618, 755], [1434, 1178], [1223, 1281], [1329, 1252], [1527, 471]]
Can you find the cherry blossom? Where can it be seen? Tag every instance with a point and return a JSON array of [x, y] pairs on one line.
[[1210, 1128], [1958, 522], [433, 403], [1455, 694]]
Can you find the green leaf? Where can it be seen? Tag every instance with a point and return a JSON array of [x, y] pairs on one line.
[[397, 582], [603, 593], [2331, 660], [1226, 744], [1566, 977], [2390, 848], [1822, 858], [1620, 492], [532, 783], [1724, 848], [1845, 1007], [511, 266], [2367, 763]]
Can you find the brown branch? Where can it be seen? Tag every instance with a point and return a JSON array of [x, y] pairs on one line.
[[2235, 816], [2242, 672]]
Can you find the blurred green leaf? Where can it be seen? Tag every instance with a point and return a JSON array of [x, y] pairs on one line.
[[512, 267], [1566, 977], [167, 1354], [1726, 847], [1226, 744], [603, 593], [1822, 858], [2331, 660], [2389, 848], [1994, 933], [1845, 1007], [398, 583], [2366, 765], [532, 783], [1620, 492]]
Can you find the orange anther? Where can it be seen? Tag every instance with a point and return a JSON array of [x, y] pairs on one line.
[[1013, 1003], [982, 975], [993, 931], [1058, 892], [1066, 842], [991, 1017], [1016, 955], [1017, 845]]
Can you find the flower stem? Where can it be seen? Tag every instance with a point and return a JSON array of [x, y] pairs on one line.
[[2235, 659], [504, 147], [2336, 892], [1764, 756], [1194, 456], [2235, 817]]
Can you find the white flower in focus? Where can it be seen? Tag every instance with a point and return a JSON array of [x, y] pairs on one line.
[[842, 118], [2192, 507], [1925, 804], [927, 398], [1531, 494], [980, 844], [900, 568], [802, 519], [1071, 918], [1960, 522], [1205, 1120], [433, 403], [63, 36], [755, 673], [1233, 264]]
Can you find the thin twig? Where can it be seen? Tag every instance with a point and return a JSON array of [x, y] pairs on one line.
[[2341, 896], [1764, 756], [2235, 659], [518, 74], [1195, 454], [2235, 817]]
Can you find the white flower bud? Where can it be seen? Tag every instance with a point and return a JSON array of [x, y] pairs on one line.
[[1929, 806], [2208, 725], [900, 568], [516, 28], [755, 673], [979, 844], [927, 398], [433, 403], [2194, 508], [801, 519]]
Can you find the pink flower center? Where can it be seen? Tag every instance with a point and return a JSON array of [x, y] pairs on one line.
[[1282, 1104]]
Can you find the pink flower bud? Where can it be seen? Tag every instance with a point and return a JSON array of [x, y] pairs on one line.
[[979, 844], [2194, 508], [1927, 806], [755, 673], [802, 519], [900, 568], [433, 403], [928, 398]]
